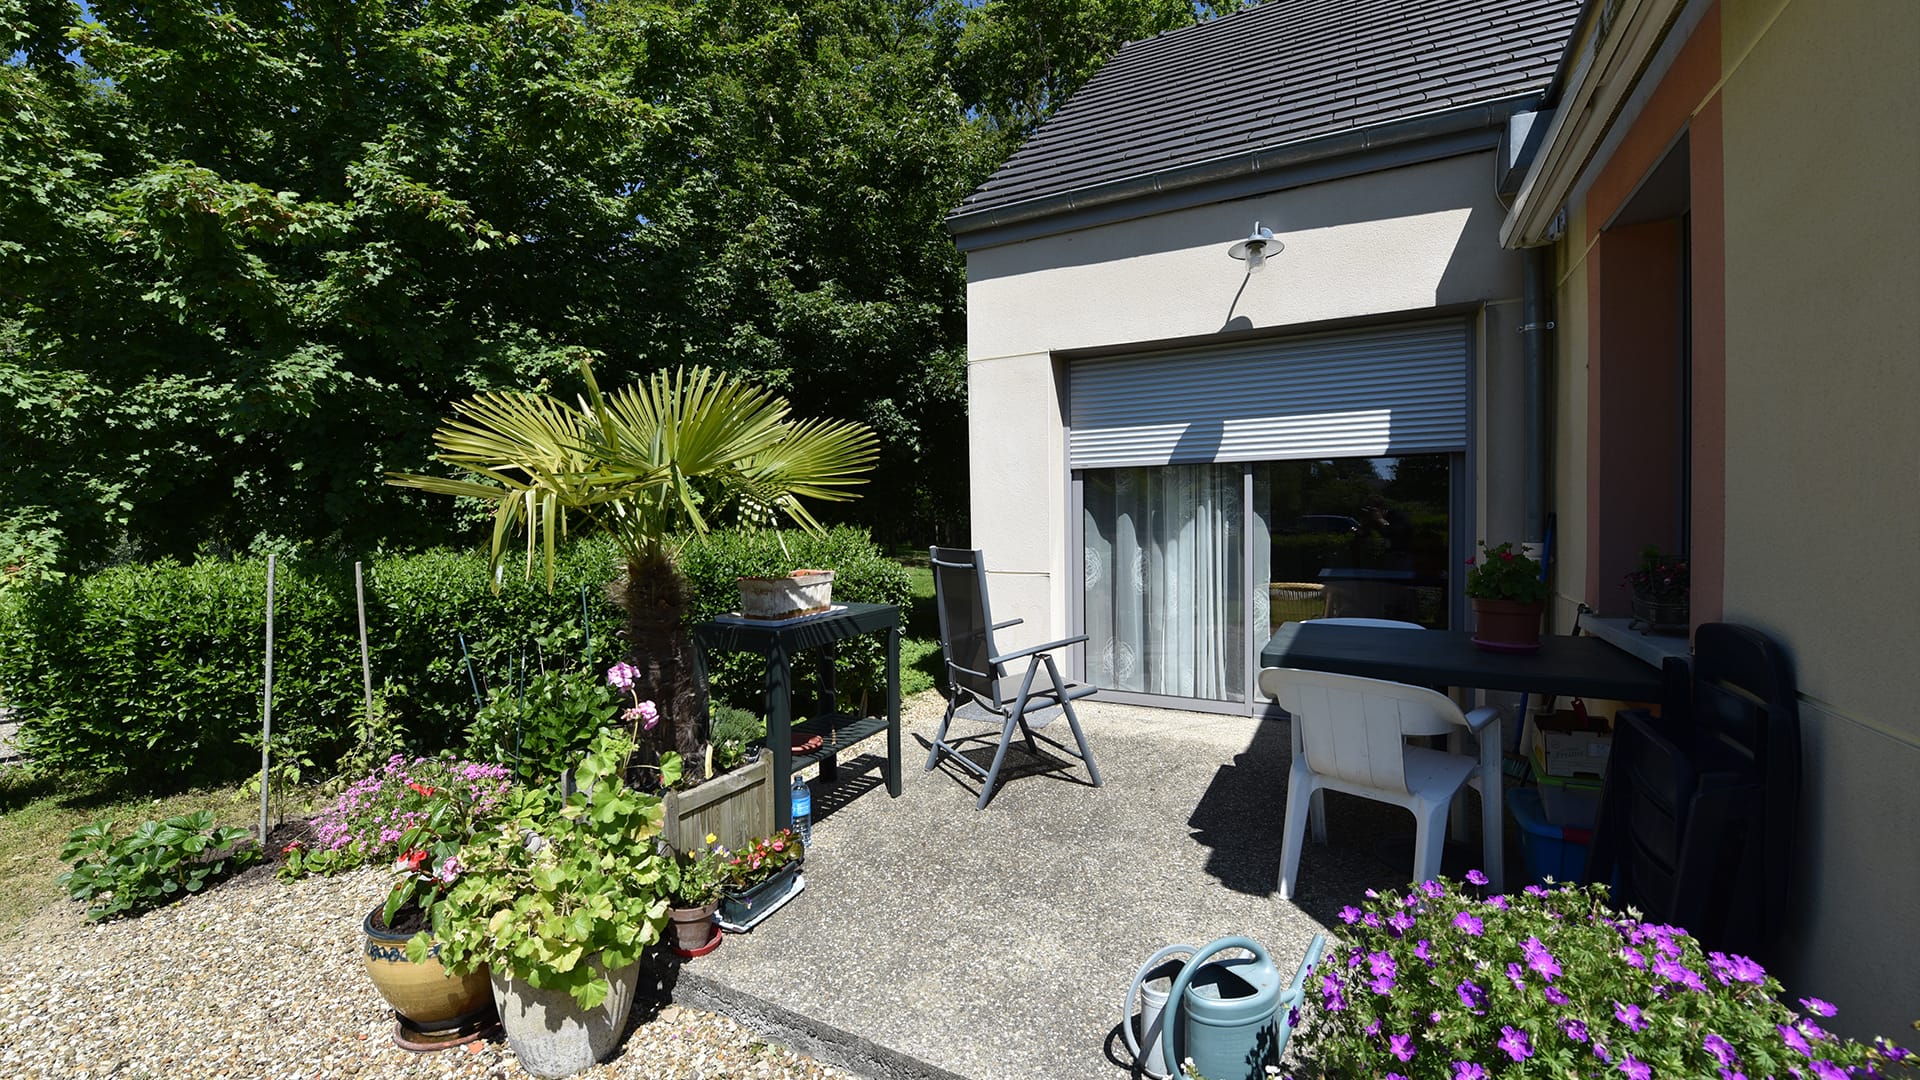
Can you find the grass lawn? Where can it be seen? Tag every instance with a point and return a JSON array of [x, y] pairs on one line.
[[37, 815], [920, 664]]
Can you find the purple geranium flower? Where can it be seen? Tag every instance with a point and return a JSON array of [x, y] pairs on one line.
[[1400, 1046], [1630, 1016], [1514, 1042], [1470, 923], [1720, 1048]]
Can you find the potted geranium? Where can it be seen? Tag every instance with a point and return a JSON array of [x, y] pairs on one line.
[[693, 895], [1508, 596], [754, 879], [414, 814], [1443, 983], [559, 902], [1660, 586]]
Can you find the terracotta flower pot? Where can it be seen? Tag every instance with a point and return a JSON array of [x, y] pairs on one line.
[[694, 931], [435, 1010], [1507, 625]]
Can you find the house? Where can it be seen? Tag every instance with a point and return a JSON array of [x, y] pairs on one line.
[[1730, 193], [1172, 449], [1591, 276]]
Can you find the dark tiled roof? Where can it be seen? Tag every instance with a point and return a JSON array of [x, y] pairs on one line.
[[1282, 72]]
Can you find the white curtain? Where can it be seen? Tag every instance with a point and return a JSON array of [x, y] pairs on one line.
[[1165, 584]]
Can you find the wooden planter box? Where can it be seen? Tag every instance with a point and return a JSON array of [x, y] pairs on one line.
[[736, 807]]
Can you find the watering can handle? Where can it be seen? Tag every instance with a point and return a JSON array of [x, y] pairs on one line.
[[1133, 995], [1170, 1019]]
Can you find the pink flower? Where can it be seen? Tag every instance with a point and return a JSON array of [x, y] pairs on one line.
[[622, 675], [449, 870]]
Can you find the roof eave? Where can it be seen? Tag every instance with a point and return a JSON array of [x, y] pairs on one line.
[[1597, 86], [1480, 116]]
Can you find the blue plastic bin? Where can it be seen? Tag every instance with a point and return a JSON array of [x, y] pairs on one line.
[[1550, 850]]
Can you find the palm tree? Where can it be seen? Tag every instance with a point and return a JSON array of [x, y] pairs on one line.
[[644, 465]]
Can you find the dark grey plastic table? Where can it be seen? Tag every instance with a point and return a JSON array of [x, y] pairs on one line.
[[1565, 665], [780, 643]]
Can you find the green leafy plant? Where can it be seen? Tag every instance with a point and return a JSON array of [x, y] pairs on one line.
[[1442, 983], [378, 817], [759, 860], [564, 889], [1659, 578], [736, 732], [541, 729], [157, 863], [694, 877], [429, 859], [1501, 573]]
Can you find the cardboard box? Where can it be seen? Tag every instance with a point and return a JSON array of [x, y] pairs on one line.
[[1566, 744]]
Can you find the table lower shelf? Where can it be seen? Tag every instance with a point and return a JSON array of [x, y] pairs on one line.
[[837, 731]]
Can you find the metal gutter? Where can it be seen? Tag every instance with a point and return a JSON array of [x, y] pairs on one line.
[[1483, 116]]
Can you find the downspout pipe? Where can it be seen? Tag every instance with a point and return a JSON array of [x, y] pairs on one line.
[[1536, 353]]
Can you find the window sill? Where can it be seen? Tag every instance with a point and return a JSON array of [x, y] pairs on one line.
[[1654, 649]]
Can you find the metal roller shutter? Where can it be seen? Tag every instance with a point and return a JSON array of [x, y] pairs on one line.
[[1354, 393]]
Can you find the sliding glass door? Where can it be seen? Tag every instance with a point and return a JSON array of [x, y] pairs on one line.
[[1189, 569], [1165, 602]]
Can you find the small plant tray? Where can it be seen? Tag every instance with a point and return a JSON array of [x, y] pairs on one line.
[[764, 907]]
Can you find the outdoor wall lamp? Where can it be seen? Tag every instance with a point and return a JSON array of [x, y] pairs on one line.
[[1256, 247]]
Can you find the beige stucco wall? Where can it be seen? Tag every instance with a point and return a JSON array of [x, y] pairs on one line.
[[1822, 155], [1402, 240]]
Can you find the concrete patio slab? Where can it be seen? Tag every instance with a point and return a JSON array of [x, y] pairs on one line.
[[936, 941]]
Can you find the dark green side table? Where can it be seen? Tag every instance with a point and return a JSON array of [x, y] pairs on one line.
[[780, 643]]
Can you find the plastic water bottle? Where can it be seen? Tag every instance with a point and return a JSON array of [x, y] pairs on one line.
[[803, 811]]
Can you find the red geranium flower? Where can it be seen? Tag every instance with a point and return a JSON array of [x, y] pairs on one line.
[[411, 861], [425, 791]]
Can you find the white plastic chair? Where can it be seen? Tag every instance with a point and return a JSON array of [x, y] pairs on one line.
[[1350, 735]]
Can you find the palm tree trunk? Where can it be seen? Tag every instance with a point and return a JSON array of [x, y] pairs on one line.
[[658, 644]]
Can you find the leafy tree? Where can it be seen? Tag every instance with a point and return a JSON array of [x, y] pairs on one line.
[[250, 250]]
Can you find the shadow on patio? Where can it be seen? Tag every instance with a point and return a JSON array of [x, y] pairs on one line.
[[936, 941]]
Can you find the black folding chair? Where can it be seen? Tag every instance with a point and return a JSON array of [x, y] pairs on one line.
[[1699, 817], [976, 671]]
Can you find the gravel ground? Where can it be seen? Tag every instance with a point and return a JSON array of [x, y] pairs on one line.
[[257, 978]]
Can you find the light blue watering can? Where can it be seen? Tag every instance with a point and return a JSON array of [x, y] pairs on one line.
[[1230, 1016]]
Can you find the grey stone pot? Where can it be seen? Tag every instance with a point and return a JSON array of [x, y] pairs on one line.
[[551, 1034]]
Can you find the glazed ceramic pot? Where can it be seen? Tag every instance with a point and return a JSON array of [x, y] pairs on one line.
[[430, 1004]]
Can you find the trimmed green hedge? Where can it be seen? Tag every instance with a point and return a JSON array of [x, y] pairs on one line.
[[152, 674]]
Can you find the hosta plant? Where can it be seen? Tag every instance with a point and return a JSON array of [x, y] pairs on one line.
[[157, 863], [559, 883], [1442, 983]]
